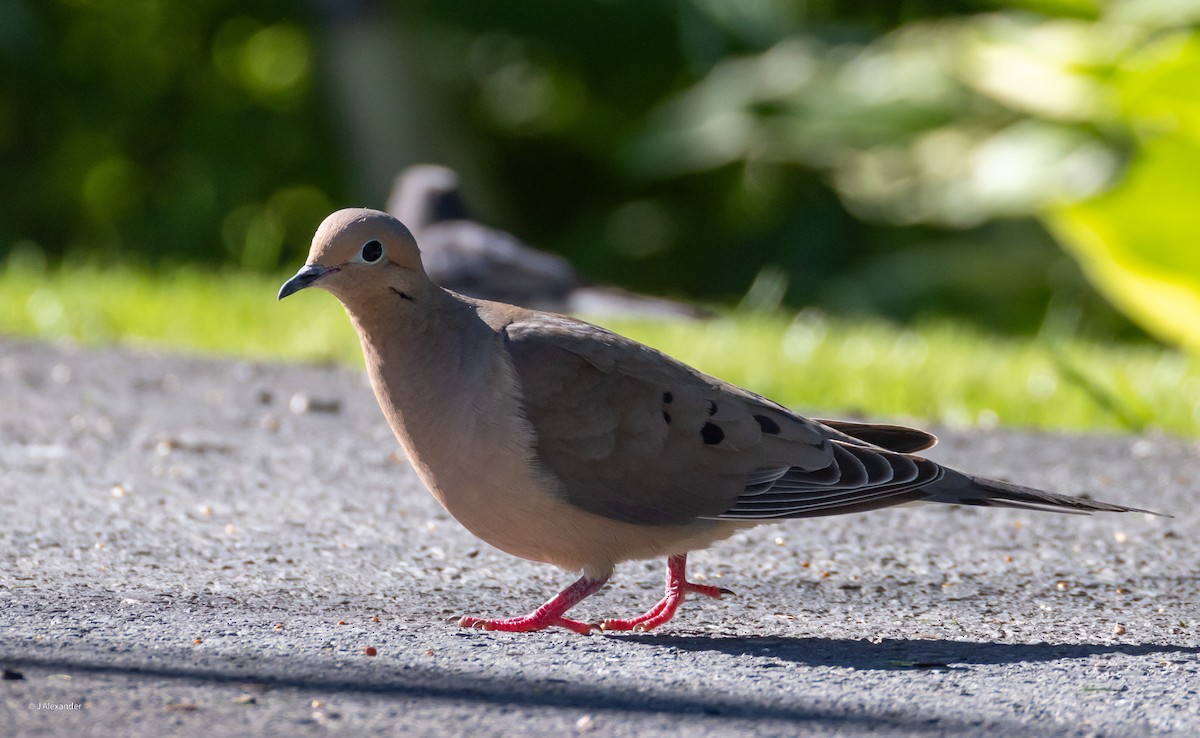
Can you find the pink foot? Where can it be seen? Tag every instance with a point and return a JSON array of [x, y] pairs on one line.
[[545, 616], [526, 623], [677, 587]]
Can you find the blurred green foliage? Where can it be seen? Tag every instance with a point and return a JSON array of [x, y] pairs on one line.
[[891, 158], [153, 130], [1140, 241]]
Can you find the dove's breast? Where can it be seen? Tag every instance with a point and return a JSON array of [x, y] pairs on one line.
[[473, 448]]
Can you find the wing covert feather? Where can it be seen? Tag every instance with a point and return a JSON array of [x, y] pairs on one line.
[[631, 434]]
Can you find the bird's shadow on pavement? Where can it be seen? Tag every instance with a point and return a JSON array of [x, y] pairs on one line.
[[899, 654], [404, 681], [508, 692]]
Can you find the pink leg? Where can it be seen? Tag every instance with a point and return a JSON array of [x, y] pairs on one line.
[[677, 587], [546, 615]]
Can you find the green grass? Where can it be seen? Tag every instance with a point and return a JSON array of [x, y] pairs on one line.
[[947, 373]]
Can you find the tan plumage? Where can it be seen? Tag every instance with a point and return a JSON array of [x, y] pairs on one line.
[[561, 442]]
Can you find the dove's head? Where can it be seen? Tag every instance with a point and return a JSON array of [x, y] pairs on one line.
[[361, 254]]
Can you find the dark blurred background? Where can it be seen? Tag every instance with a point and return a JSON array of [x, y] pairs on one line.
[[909, 159]]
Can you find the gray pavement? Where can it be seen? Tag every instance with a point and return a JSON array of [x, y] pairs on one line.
[[196, 546]]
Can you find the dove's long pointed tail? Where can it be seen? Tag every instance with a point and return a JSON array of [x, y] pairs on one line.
[[957, 488]]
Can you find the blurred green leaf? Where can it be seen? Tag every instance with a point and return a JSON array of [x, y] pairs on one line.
[[1140, 242], [1159, 89]]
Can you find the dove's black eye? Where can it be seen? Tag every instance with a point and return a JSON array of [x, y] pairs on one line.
[[372, 251]]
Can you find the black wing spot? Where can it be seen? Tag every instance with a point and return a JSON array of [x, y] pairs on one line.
[[767, 425], [668, 397], [712, 408], [712, 434], [666, 416]]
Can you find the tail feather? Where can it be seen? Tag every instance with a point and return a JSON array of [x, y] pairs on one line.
[[956, 488]]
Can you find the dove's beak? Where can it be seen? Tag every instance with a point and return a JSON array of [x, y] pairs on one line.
[[306, 277]]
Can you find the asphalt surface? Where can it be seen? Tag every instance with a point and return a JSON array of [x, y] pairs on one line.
[[196, 546]]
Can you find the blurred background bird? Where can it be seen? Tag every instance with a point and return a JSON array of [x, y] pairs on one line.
[[475, 260]]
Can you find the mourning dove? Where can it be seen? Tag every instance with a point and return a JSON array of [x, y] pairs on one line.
[[562, 442], [472, 259]]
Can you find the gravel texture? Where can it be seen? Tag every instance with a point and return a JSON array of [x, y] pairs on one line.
[[198, 546]]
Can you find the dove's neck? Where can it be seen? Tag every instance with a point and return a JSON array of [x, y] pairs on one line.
[[428, 363], [447, 387]]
